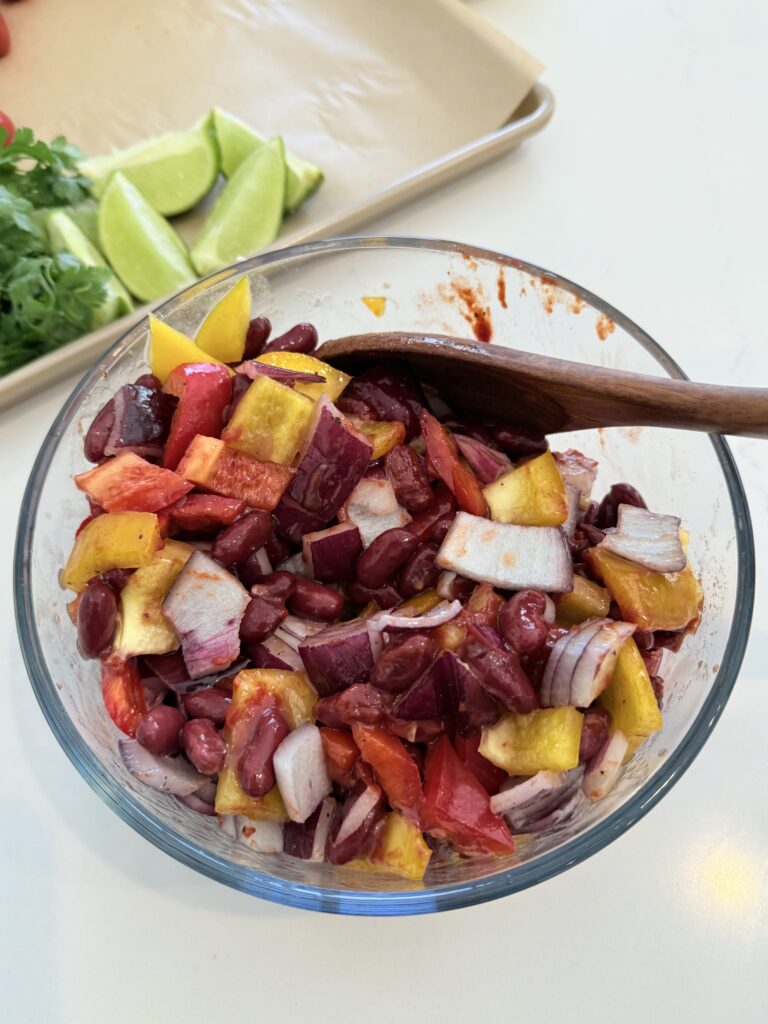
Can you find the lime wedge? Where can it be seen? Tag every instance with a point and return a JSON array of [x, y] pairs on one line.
[[66, 236], [173, 172], [248, 213], [237, 141], [144, 250]]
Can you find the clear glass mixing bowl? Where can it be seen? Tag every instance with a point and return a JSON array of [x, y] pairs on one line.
[[450, 288]]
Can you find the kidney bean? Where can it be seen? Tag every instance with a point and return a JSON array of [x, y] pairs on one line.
[[277, 587], [256, 337], [652, 660], [419, 572], [619, 494], [462, 588], [444, 504], [212, 704], [240, 384], [503, 676], [204, 745], [363, 840], [148, 380], [278, 548], [671, 639], [441, 528], [300, 338], [401, 665], [644, 639], [408, 478], [315, 601], [591, 534], [159, 730], [96, 619], [385, 597], [358, 703], [384, 556], [255, 768], [246, 535], [99, 431], [261, 617], [251, 571], [518, 442], [594, 733], [521, 621], [388, 391]]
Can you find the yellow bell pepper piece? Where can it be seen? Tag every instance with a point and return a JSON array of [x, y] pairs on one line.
[[231, 798], [587, 600], [532, 494], [420, 604], [270, 422], [293, 691], [652, 600], [115, 540], [543, 740], [402, 850], [384, 435], [629, 698], [222, 333], [143, 628], [169, 348], [335, 380]]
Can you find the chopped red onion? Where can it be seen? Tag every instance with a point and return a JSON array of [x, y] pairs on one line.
[[445, 584], [577, 470], [206, 682], [582, 662], [274, 652], [486, 462], [341, 655], [506, 555], [373, 508], [442, 613], [260, 836], [302, 778], [605, 767], [322, 829], [646, 538], [573, 497], [294, 630], [330, 556], [228, 824], [172, 775], [205, 606], [253, 369], [535, 803], [202, 800]]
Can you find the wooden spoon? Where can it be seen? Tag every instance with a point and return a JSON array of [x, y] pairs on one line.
[[493, 382]]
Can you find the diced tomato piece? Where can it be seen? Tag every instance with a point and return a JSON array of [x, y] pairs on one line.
[[487, 774], [341, 752], [128, 483], [396, 770], [204, 391], [456, 806], [123, 694], [205, 512], [211, 465], [444, 456], [444, 503]]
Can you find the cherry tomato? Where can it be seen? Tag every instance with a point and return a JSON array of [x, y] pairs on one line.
[[10, 128], [5, 37]]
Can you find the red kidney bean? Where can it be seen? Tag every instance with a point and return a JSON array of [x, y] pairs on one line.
[[256, 337], [363, 840], [117, 578], [159, 730], [315, 601], [96, 619], [594, 733], [644, 639], [358, 703], [444, 504], [672, 640], [389, 392], [384, 556], [619, 494], [385, 597], [240, 384], [590, 516], [204, 745], [534, 664], [461, 589], [148, 380], [518, 442], [278, 548], [591, 534], [277, 587], [261, 617], [99, 431], [420, 572], [503, 676], [521, 621], [401, 665], [301, 338], [212, 704], [255, 768], [408, 478], [441, 528], [236, 542]]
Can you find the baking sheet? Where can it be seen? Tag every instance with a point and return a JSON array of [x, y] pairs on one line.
[[388, 98]]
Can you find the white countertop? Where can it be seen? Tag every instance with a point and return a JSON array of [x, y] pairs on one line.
[[648, 187]]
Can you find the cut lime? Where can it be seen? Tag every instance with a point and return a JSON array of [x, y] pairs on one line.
[[248, 213], [173, 172], [66, 236], [144, 250], [237, 141]]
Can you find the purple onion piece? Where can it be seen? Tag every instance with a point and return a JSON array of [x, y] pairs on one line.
[[340, 655], [141, 421]]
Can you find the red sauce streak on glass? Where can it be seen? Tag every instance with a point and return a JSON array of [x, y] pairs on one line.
[[501, 285], [477, 315]]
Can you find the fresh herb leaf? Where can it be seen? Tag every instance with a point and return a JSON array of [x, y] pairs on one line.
[[46, 174]]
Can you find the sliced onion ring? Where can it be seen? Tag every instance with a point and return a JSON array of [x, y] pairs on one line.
[[646, 538], [442, 613], [582, 662], [171, 775]]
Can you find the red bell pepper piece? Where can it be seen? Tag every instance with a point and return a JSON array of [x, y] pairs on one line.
[[395, 768], [204, 391], [123, 694], [128, 483], [341, 753], [488, 775], [443, 453], [204, 512], [456, 805]]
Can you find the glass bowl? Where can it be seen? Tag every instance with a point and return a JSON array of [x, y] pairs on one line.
[[428, 286]]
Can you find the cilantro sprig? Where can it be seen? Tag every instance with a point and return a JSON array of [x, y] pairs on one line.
[[44, 173]]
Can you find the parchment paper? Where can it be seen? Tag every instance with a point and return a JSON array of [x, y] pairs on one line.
[[368, 89]]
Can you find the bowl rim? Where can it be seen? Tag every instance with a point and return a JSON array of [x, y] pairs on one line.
[[375, 903]]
